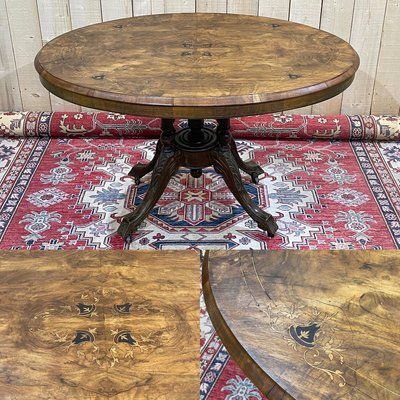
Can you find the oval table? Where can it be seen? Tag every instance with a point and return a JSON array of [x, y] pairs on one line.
[[196, 66], [310, 324]]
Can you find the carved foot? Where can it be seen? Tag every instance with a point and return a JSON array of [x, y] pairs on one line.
[[268, 225], [166, 165], [140, 170], [225, 164], [128, 239]]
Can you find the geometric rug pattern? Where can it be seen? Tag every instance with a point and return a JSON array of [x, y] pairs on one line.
[[331, 182]]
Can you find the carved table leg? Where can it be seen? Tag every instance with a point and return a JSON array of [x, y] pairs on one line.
[[165, 166], [225, 164], [250, 167], [196, 147], [140, 170]]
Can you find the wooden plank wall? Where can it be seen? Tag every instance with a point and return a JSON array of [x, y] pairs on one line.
[[371, 26]]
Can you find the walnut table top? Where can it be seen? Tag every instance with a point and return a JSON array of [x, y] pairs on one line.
[[196, 65]]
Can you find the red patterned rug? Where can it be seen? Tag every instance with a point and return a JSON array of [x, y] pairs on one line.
[[332, 182]]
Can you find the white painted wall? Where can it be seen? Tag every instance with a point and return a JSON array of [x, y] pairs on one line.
[[371, 26]]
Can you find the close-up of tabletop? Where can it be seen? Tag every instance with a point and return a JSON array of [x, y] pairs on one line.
[[311, 324], [98, 325]]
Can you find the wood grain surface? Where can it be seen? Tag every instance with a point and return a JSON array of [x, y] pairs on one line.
[[196, 65], [310, 324], [99, 324]]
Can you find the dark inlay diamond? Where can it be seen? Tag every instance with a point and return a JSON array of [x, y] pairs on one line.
[[82, 337], [125, 337], [86, 309], [123, 308], [304, 335]]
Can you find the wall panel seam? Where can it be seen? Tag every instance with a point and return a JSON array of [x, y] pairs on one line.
[[14, 57], [379, 56], [351, 32], [320, 14]]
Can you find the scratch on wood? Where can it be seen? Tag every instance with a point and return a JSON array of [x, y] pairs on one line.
[[245, 281], [258, 277]]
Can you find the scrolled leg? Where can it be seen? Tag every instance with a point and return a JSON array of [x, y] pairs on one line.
[[167, 133], [250, 167], [166, 165], [140, 170], [225, 164]]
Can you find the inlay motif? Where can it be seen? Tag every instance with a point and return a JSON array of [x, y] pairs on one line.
[[78, 328], [99, 325]]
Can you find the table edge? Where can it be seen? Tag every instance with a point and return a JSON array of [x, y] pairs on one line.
[[158, 107], [258, 376]]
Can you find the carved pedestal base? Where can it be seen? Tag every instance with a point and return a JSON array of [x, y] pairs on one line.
[[196, 148]]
